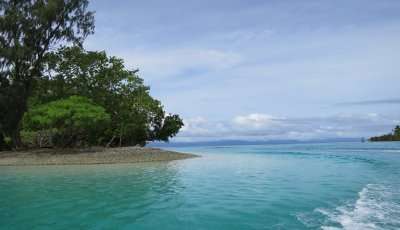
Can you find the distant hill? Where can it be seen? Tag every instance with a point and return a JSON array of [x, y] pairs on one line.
[[244, 142]]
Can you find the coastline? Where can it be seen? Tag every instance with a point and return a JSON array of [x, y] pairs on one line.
[[90, 156]]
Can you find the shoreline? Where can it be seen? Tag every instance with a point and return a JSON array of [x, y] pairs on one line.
[[96, 155]]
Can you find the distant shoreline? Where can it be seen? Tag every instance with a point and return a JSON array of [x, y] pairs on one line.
[[89, 156]]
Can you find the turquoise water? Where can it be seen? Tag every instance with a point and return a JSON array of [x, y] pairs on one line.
[[299, 186]]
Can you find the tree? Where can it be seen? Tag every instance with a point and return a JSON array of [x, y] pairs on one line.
[[74, 121], [136, 117], [396, 131], [29, 29], [394, 136], [169, 128]]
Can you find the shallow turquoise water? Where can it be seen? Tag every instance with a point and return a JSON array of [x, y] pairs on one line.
[[299, 186]]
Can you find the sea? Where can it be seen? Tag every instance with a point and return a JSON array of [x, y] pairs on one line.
[[278, 186]]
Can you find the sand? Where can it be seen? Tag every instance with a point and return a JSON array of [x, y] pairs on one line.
[[89, 156]]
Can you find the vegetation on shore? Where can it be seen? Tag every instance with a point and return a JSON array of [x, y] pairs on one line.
[[54, 93], [393, 136]]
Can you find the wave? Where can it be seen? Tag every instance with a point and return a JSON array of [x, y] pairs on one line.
[[377, 207], [391, 150]]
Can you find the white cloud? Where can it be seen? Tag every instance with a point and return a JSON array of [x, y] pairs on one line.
[[258, 126], [195, 125], [254, 120]]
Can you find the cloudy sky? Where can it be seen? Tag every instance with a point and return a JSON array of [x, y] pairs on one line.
[[262, 69]]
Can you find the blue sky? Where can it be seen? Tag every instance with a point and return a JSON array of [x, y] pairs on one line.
[[262, 70]]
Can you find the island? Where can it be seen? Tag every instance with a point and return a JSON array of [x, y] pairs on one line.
[[393, 136], [63, 104]]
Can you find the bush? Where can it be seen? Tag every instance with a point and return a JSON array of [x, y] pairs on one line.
[[29, 138], [71, 122]]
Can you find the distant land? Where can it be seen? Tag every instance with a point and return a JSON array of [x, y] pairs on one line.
[[393, 136], [244, 142]]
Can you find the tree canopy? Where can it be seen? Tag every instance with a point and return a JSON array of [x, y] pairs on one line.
[[44, 70], [72, 121], [28, 31], [136, 117]]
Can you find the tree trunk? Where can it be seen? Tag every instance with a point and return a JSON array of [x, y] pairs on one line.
[[120, 139], [16, 139], [16, 123], [120, 135], [2, 142], [111, 141], [16, 110]]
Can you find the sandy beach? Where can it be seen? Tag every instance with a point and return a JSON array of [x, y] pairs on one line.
[[89, 156]]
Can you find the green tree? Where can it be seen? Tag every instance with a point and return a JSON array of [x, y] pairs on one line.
[[396, 131], [136, 116], [28, 30], [74, 121], [169, 128]]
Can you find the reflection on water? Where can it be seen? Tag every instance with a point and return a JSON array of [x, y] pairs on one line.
[[314, 186]]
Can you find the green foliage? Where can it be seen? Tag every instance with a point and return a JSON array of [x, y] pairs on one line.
[[396, 131], [76, 121], [136, 117], [48, 83], [394, 136], [28, 30], [29, 138], [170, 127]]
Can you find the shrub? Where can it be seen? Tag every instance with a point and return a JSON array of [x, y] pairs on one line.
[[74, 121]]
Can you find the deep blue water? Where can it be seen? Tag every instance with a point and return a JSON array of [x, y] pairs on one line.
[[299, 186]]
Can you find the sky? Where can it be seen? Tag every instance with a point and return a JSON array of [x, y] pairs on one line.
[[262, 69]]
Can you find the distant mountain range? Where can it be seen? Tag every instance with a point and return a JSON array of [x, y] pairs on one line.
[[244, 142]]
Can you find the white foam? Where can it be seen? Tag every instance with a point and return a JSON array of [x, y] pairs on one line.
[[391, 151], [374, 209]]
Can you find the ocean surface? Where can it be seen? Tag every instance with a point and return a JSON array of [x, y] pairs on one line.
[[292, 186]]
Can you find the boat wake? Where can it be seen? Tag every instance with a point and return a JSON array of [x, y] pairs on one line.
[[377, 207]]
